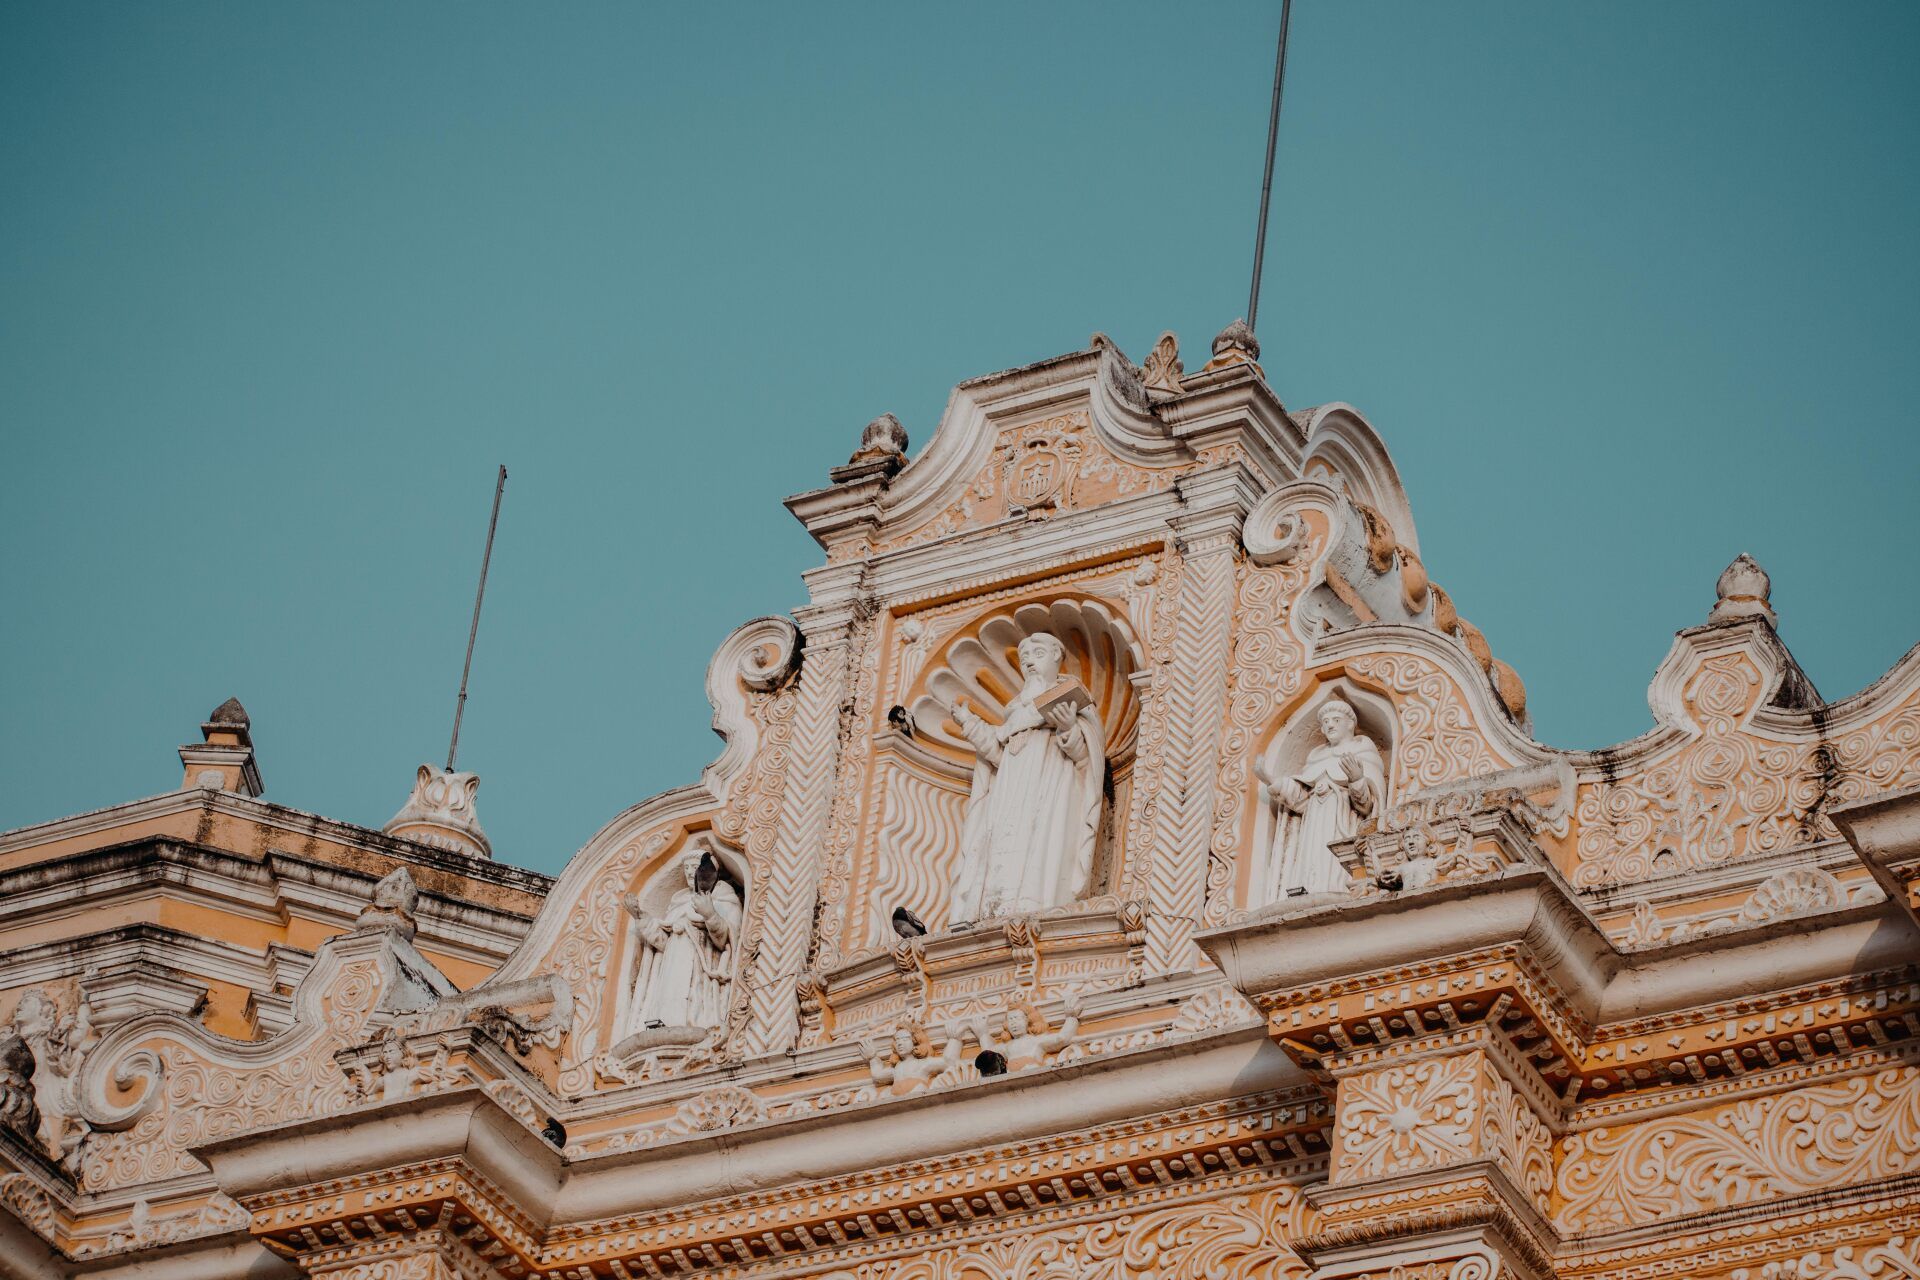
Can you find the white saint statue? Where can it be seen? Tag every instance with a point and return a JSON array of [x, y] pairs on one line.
[[686, 953], [1034, 812], [1341, 782]]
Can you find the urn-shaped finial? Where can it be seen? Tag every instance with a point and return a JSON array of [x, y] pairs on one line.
[[1744, 591], [440, 812], [1235, 344], [883, 438]]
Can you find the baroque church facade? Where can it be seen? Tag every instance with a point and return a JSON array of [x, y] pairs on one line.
[[1129, 862]]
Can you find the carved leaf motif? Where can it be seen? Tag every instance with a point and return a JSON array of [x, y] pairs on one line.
[[1814, 1138], [1267, 667], [1406, 1117], [1234, 1237], [1438, 741]]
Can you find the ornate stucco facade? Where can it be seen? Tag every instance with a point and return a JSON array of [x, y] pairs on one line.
[[1359, 980]]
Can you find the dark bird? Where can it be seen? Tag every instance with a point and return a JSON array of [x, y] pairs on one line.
[[554, 1132], [1391, 881], [897, 717], [706, 875], [907, 924]]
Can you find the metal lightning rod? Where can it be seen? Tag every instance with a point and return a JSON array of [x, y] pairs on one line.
[[1266, 181], [486, 558]]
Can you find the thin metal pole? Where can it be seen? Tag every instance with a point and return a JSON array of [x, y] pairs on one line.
[[486, 558], [1266, 180]]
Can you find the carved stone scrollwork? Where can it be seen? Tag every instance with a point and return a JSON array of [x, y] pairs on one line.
[[768, 651]]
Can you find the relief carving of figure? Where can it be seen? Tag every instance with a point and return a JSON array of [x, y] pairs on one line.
[[1030, 1041], [914, 1064], [56, 1046], [686, 955], [1034, 812], [18, 1110], [1342, 781]]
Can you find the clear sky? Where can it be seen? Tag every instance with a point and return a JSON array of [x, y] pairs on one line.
[[1627, 288]]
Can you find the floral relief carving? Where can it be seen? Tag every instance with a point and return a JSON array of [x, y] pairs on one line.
[[1234, 1237], [1266, 670], [1812, 1139], [202, 1098], [1438, 739], [1897, 1259], [1518, 1140], [1413, 1116], [845, 824], [1150, 741], [1056, 463]]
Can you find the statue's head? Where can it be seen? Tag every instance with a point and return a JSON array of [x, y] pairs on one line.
[[36, 1015], [1338, 720], [1024, 1019], [690, 866], [903, 1043], [1041, 655], [392, 1053]]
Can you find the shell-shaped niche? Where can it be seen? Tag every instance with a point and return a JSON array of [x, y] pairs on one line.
[[979, 664]]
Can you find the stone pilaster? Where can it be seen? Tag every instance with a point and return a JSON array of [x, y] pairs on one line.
[[1442, 1165], [1208, 531], [786, 912]]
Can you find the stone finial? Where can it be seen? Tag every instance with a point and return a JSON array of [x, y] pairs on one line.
[[1235, 345], [223, 760], [441, 813], [1163, 370], [393, 903], [1744, 591], [882, 452], [884, 437]]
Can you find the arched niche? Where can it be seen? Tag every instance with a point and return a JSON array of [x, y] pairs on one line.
[[1295, 733], [979, 663], [654, 891]]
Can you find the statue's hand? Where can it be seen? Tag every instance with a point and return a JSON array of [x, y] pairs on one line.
[[1062, 717], [1350, 770], [703, 906], [631, 901], [1071, 1004]]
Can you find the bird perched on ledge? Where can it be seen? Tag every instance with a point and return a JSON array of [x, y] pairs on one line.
[[907, 924]]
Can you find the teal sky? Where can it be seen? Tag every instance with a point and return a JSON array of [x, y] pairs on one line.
[[1627, 288]]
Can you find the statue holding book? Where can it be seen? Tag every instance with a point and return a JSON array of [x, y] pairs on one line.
[[1034, 813]]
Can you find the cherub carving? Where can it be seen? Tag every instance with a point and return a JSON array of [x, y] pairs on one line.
[[913, 1065], [1030, 1041]]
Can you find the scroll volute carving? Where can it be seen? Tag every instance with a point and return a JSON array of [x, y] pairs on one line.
[[979, 665]]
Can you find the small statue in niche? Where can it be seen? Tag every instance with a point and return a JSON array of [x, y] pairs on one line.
[[914, 1064], [1033, 816], [1030, 1041], [1342, 781], [686, 954]]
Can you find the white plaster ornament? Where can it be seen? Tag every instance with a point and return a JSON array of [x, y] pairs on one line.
[[1034, 811], [1342, 781], [686, 951]]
